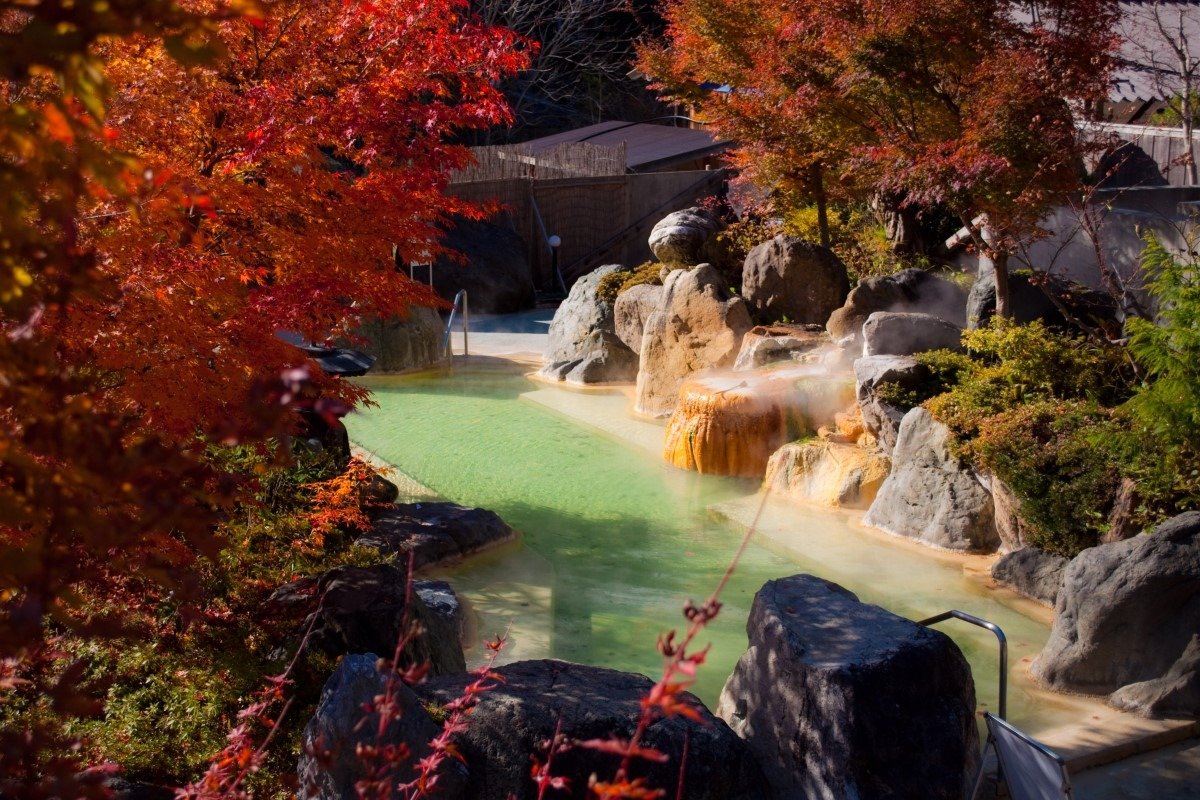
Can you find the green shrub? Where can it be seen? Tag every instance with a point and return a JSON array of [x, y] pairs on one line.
[[1062, 459], [613, 284], [1020, 364], [856, 236], [946, 369], [1168, 400]]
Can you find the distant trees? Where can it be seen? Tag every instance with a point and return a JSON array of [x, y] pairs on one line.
[[958, 103], [578, 68]]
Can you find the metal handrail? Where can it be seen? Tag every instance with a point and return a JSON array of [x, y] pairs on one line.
[[460, 301], [994, 628]]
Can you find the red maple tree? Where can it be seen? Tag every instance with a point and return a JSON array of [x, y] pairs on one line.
[[964, 104], [181, 181]]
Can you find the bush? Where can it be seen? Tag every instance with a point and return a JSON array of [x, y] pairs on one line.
[[613, 284], [1062, 459], [946, 369], [1020, 364], [856, 236]]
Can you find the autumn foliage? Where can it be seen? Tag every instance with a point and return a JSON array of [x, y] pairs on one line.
[[178, 182], [966, 105]]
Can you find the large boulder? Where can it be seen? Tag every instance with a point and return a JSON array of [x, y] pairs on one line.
[[910, 290], [1012, 528], [330, 764], [836, 697], [1127, 613], [770, 344], [930, 496], [697, 326], [793, 278], [403, 343], [434, 532], [1175, 694], [514, 720], [896, 333], [365, 610], [882, 415], [1038, 297], [633, 307], [496, 272], [680, 238], [1032, 572], [827, 473], [583, 346]]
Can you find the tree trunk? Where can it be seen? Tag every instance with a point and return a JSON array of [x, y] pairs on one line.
[[817, 178], [1000, 266], [1187, 113]]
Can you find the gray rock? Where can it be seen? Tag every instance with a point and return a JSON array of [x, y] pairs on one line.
[[603, 359], [1127, 611], [435, 533], [679, 238], [930, 496], [903, 333], [496, 273], [770, 344], [1032, 572], [364, 610], [790, 277], [910, 290], [837, 697], [442, 601], [697, 326], [1176, 694], [400, 344], [633, 307], [882, 418], [583, 346], [329, 766], [513, 721], [1030, 300], [1014, 532]]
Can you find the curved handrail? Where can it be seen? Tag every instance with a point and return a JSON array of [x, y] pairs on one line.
[[460, 301], [994, 628]]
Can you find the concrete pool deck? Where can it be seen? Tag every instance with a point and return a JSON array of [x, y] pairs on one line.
[[1111, 754]]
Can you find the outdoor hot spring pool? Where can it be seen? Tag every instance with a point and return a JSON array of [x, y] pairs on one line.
[[615, 541]]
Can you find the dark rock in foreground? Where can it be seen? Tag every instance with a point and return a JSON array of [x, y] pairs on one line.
[[1032, 572], [435, 532], [1128, 613], [515, 719], [363, 610], [329, 767], [840, 699]]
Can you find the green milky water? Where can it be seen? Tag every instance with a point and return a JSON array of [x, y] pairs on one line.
[[615, 541]]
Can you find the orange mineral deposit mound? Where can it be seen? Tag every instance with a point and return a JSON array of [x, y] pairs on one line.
[[731, 424]]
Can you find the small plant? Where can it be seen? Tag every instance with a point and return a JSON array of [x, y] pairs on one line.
[[614, 284]]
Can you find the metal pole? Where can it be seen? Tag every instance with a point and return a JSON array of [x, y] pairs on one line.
[[1000, 637], [466, 322]]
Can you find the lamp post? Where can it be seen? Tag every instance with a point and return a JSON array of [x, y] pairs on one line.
[[555, 242]]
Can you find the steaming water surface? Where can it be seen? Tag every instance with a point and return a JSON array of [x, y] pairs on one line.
[[615, 541]]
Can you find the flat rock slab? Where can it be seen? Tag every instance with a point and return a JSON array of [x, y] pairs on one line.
[[514, 720], [435, 532], [841, 699]]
